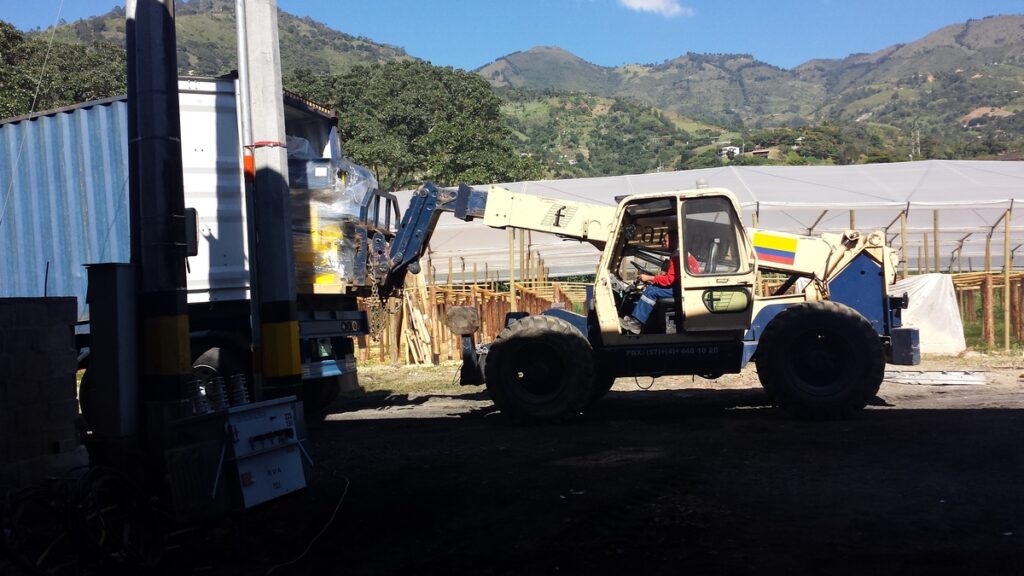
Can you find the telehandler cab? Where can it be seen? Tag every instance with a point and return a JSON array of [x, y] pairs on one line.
[[820, 340]]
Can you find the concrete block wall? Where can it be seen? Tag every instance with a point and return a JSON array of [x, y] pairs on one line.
[[38, 396]]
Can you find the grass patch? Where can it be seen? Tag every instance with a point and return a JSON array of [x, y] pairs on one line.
[[442, 379]]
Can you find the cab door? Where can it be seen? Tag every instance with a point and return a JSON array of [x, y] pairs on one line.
[[718, 271]]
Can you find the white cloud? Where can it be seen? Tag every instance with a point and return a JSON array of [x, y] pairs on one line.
[[666, 8]]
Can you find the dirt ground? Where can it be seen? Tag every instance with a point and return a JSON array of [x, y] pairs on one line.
[[681, 476]]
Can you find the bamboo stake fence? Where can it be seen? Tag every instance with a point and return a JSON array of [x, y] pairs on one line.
[[422, 338], [417, 333]]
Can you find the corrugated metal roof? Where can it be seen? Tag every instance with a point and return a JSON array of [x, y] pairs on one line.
[[75, 195], [55, 111]]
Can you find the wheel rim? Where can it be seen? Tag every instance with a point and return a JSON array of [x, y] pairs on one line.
[[821, 362], [535, 372], [204, 373]]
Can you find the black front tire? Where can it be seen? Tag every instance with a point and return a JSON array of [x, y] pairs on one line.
[[540, 368], [820, 360]]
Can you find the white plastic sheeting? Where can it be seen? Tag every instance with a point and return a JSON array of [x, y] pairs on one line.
[[933, 310], [970, 197]]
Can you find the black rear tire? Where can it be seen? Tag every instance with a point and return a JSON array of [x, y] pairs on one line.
[[820, 360], [540, 368]]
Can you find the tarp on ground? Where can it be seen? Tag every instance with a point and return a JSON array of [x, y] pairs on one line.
[[934, 311], [970, 198]]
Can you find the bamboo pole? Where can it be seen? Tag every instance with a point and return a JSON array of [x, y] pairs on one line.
[[1006, 280], [987, 312], [927, 264], [988, 252], [1014, 315], [903, 240], [853, 219], [1018, 297], [436, 330], [935, 237], [512, 270], [522, 258]]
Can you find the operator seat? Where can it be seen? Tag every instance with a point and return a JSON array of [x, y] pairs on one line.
[[666, 317]]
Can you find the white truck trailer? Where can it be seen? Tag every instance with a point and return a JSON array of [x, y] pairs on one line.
[[64, 181]]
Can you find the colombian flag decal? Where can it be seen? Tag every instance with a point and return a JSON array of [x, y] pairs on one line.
[[777, 249]]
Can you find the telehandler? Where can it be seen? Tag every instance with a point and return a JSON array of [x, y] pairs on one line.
[[820, 340]]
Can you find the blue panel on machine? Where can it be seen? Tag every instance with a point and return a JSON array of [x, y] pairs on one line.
[[858, 286]]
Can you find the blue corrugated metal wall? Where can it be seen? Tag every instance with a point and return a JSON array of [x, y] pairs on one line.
[[63, 199]]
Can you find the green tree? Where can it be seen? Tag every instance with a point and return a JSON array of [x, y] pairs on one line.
[[73, 73], [411, 121]]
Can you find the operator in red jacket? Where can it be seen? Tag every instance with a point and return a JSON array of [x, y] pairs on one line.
[[659, 286]]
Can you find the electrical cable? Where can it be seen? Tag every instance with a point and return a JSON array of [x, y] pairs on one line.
[[330, 520], [32, 109], [637, 380]]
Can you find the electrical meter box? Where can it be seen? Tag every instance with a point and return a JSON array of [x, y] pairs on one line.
[[237, 457]]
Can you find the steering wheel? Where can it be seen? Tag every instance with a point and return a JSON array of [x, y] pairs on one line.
[[639, 268]]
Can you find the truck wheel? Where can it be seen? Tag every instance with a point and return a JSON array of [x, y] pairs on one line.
[[220, 361], [540, 368], [820, 360]]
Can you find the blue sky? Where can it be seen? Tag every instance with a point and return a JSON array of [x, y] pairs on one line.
[[470, 33]]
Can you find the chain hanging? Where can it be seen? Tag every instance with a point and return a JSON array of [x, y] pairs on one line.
[[378, 310], [376, 315]]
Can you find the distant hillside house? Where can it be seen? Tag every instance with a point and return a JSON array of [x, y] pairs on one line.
[[729, 151], [760, 152]]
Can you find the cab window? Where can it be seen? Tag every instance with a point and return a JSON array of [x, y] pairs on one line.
[[712, 240]]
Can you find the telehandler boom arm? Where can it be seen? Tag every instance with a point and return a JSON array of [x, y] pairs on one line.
[[498, 208]]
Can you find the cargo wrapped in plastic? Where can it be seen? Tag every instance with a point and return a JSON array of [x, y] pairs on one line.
[[329, 230]]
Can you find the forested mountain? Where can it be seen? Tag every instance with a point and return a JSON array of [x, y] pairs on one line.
[[954, 76], [578, 134], [206, 40]]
